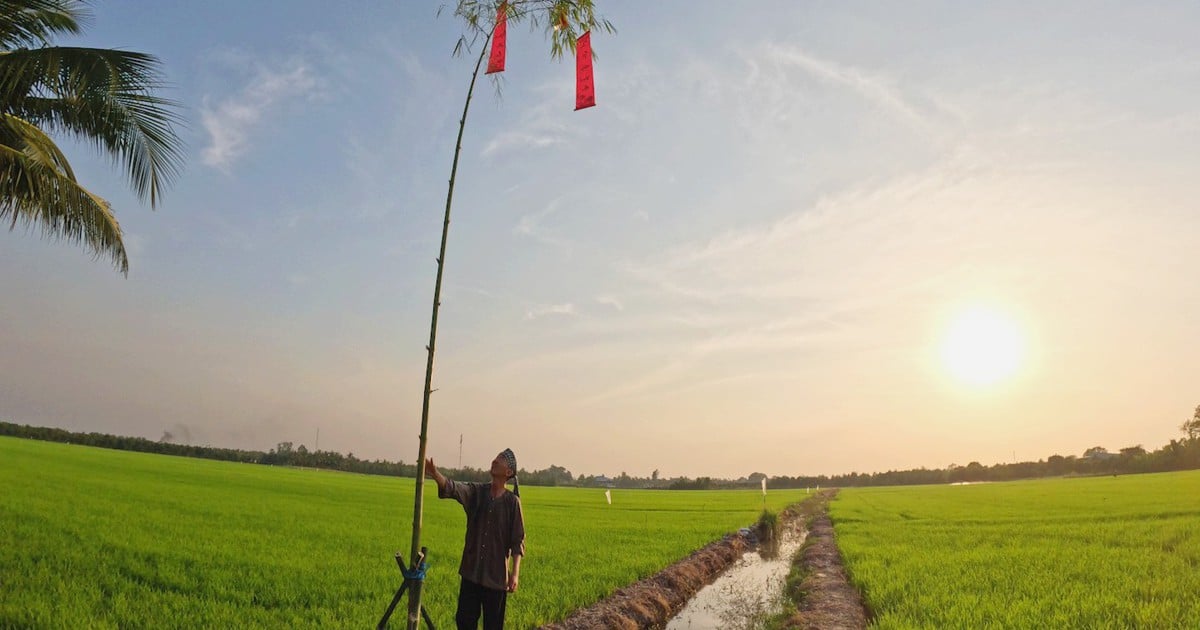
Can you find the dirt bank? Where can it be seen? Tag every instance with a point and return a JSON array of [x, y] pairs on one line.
[[824, 597], [651, 602]]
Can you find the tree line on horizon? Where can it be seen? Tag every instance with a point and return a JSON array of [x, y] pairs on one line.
[[1178, 454]]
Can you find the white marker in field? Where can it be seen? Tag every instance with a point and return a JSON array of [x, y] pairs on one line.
[[764, 487], [608, 496]]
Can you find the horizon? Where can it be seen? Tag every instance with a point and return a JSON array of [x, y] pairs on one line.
[[466, 466], [793, 240]]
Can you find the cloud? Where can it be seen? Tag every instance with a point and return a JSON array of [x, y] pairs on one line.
[[542, 123], [800, 254], [231, 122], [816, 278], [533, 226], [512, 140], [610, 300], [551, 309], [875, 88], [690, 364]]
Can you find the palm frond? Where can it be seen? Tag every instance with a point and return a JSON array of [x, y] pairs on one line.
[[26, 23], [105, 96], [34, 143], [31, 193]]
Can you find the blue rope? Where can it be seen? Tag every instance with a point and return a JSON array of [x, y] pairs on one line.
[[417, 574]]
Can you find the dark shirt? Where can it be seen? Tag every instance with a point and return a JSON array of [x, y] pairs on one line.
[[495, 529]]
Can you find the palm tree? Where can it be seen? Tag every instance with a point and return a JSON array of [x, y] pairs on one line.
[[104, 96]]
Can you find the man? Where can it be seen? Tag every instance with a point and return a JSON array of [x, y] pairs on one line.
[[495, 531]]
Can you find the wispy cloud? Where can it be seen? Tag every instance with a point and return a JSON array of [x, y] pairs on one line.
[[533, 225], [813, 279], [542, 123], [231, 121], [716, 357], [781, 83], [551, 309], [510, 140], [610, 300], [881, 91]]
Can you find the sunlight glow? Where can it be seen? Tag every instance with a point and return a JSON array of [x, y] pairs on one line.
[[982, 347]]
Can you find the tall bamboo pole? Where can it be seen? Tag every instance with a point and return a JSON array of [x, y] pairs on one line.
[[414, 591], [558, 10]]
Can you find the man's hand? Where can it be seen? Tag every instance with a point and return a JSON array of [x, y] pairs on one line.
[[511, 587], [432, 471]]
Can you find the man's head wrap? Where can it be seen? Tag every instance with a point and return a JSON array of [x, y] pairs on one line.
[[511, 460]]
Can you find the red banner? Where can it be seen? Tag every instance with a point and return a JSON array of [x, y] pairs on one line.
[[585, 89], [499, 41]]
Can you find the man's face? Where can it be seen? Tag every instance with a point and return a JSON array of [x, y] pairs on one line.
[[500, 466]]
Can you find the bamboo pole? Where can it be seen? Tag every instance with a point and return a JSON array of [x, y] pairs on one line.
[[414, 592]]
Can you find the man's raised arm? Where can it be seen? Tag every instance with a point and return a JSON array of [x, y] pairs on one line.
[[432, 471]]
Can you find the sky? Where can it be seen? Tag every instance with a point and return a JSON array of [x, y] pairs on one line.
[[748, 257]]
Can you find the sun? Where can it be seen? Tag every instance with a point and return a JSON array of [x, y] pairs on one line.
[[983, 346]]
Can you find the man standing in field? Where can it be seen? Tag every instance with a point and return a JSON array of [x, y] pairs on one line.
[[495, 531]]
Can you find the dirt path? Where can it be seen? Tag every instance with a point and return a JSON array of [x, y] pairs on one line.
[[824, 598]]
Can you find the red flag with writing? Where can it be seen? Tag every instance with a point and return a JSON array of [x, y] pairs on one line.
[[499, 41], [585, 89]]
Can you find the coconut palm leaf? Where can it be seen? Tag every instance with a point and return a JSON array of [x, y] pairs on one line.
[[106, 97], [20, 135], [28, 23], [33, 193]]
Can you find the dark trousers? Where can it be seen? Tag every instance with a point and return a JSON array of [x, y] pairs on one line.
[[474, 598]]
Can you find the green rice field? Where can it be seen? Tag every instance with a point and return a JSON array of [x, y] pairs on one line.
[[99, 538], [1103, 552]]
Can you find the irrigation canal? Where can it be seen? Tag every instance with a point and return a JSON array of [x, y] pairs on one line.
[[748, 591]]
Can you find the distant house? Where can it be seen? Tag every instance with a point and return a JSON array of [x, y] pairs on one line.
[[602, 481]]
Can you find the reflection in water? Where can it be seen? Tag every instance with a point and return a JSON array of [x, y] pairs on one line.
[[769, 550], [748, 592]]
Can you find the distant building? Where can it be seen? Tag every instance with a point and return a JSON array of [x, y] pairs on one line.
[[602, 481]]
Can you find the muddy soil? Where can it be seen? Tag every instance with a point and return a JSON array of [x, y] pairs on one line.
[[749, 591], [826, 597], [649, 603]]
